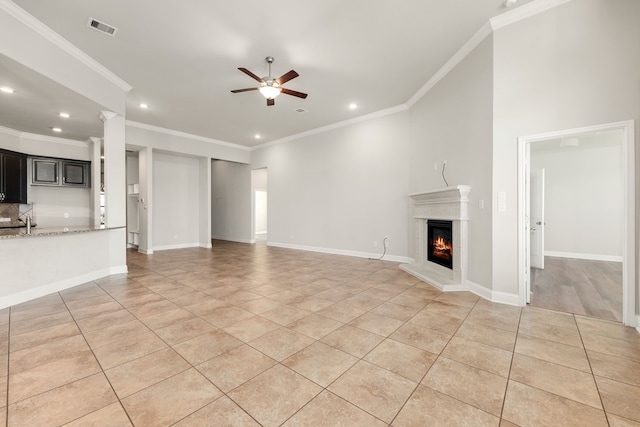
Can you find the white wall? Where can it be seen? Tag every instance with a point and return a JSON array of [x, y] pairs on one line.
[[453, 122], [176, 201], [133, 177], [184, 144], [583, 201], [260, 205], [572, 66], [341, 190], [231, 201]]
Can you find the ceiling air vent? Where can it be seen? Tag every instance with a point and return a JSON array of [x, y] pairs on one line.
[[301, 110], [102, 27]]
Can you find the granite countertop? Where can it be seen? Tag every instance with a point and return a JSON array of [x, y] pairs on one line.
[[11, 233]]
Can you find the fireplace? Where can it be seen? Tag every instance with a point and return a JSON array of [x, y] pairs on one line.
[[441, 237], [440, 242]]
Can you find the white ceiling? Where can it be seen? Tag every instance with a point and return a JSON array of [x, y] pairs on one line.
[[182, 57]]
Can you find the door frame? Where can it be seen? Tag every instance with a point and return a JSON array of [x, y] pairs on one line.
[[629, 231]]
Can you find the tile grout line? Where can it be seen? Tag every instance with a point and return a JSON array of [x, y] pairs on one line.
[[104, 374], [513, 355], [593, 376]]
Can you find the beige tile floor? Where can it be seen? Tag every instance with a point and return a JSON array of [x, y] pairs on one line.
[[245, 335]]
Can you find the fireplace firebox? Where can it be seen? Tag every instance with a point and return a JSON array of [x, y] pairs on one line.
[[439, 242]]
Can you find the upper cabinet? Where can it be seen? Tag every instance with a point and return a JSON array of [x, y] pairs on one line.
[[13, 177], [60, 172], [75, 173]]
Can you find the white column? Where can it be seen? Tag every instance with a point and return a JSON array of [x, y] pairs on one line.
[[95, 147], [204, 233], [115, 183], [145, 208]]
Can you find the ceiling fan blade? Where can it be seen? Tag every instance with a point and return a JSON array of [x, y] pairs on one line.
[[286, 77], [294, 93], [244, 90], [250, 74], [271, 102]]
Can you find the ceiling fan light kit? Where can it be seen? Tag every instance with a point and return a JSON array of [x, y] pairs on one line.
[[269, 87]]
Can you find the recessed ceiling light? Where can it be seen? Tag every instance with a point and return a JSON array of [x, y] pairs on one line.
[[353, 106], [64, 115], [56, 129], [6, 89], [258, 136], [144, 106]]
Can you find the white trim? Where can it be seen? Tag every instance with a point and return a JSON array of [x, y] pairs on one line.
[[184, 135], [523, 12], [206, 245], [332, 251], [178, 246], [590, 257], [371, 116], [233, 239], [43, 138], [21, 15], [479, 290], [637, 323], [462, 53], [629, 233], [40, 291], [10, 131], [147, 252], [505, 298]]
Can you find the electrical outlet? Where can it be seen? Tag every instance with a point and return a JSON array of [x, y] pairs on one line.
[[65, 215], [435, 166]]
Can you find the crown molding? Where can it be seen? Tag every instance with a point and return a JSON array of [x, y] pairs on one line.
[[44, 138], [462, 53], [511, 17], [523, 12], [21, 15], [185, 135], [364, 118]]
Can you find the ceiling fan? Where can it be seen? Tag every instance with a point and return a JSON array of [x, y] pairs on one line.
[[270, 87]]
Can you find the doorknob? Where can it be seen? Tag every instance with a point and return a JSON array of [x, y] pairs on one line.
[[538, 223], [533, 229]]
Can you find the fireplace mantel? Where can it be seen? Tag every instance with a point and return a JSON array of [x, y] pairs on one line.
[[446, 203], [450, 203]]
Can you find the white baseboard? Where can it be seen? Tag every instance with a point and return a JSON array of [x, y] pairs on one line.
[[30, 294], [232, 239], [387, 257], [147, 252], [590, 257], [179, 246], [638, 323]]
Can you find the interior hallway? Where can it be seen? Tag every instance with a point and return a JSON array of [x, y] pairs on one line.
[[250, 335]]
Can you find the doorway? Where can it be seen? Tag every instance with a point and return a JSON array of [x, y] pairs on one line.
[[260, 204], [579, 235]]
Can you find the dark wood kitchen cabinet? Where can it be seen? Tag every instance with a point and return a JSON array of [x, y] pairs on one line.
[[13, 177]]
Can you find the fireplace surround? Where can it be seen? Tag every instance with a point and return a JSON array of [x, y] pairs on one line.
[[448, 204]]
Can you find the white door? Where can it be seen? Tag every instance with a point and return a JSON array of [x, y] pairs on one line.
[[536, 216]]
